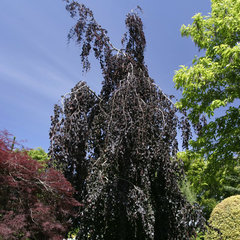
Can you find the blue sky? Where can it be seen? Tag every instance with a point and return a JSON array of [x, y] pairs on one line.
[[37, 65]]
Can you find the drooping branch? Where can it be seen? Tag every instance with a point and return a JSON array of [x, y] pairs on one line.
[[118, 148]]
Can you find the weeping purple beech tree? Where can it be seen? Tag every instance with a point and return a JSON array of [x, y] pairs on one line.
[[118, 147]]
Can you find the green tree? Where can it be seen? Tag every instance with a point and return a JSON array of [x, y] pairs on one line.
[[200, 185], [40, 155], [232, 183], [213, 80], [205, 187], [211, 83]]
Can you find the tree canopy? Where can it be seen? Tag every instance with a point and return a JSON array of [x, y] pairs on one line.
[[40, 155], [210, 95], [35, 202], [212, 82], [205, 186], [118, 148]]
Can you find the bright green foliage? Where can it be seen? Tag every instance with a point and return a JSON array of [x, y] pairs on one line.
[[188, 191], [194, 167], [199, 236], [39, 154], [213, 80], [200, 186], [226, 218], [206, 187], [211, 83]]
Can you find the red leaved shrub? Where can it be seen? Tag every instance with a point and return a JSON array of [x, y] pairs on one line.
[[35, 202]]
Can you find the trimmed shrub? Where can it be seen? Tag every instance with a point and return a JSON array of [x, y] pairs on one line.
[[226, 218]]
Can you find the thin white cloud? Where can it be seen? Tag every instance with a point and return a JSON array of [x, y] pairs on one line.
[[47, 84]]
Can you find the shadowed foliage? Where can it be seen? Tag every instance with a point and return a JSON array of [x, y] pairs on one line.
[[118, 147]]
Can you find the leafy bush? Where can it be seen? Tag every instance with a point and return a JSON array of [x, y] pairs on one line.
[[40, 155], [226, 218], [35, 202]]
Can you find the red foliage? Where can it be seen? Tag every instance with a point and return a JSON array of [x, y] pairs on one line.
[[34, 202]]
